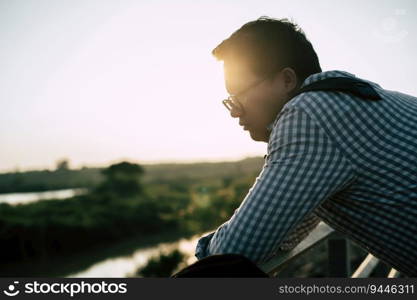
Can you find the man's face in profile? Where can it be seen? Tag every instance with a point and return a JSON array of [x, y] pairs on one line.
[[260, 98]]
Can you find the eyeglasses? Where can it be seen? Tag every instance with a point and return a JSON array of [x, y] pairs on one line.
[[233, 102]]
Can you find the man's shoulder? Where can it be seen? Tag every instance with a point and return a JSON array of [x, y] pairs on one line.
[[329, 106], [321, 103], [331, 101]]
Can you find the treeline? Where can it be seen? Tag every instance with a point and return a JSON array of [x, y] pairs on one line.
[[45, 180], [120, 206], [65, 178]]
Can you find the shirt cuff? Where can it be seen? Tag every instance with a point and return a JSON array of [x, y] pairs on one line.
[[201, 249]]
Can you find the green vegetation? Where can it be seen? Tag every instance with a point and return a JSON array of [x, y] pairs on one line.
[[163, 265]]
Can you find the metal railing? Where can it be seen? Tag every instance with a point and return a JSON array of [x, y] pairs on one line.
[[338, 255]]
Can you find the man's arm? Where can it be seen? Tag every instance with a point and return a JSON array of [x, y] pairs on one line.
[[300, 232], [291, 241], [302, 169]]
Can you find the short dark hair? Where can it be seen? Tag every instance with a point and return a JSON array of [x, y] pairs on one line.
[[267, 45]]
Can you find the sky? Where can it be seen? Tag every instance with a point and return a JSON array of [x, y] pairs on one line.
[[100, 81]]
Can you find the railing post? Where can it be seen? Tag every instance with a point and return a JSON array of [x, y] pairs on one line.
[[338, 256]]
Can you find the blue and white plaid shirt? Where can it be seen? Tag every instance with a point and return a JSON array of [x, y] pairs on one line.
[[333, 157]]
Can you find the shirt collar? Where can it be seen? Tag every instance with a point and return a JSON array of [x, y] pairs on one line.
[[313, 78], [324, 75]]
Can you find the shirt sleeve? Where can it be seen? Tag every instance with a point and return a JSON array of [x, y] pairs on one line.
[[303, 167], [300, 232]]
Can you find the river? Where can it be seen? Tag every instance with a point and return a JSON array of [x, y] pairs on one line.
[[24, 198], [127, 265], [120, 259]]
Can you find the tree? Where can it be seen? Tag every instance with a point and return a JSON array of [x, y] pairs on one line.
[[122, 179], [62, 165]]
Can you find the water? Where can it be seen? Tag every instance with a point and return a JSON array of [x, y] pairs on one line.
[[126, 266], [24, 198]]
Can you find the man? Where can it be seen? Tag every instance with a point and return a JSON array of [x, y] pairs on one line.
[[332, 155]]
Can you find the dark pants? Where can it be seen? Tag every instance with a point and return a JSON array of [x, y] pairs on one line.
[[222, 265]]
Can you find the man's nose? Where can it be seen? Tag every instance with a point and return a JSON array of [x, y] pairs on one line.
[[236, 111]]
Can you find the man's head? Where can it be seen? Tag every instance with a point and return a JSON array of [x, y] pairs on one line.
[[265, 62]]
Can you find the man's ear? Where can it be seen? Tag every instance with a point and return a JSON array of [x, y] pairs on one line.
[[290, 79]]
